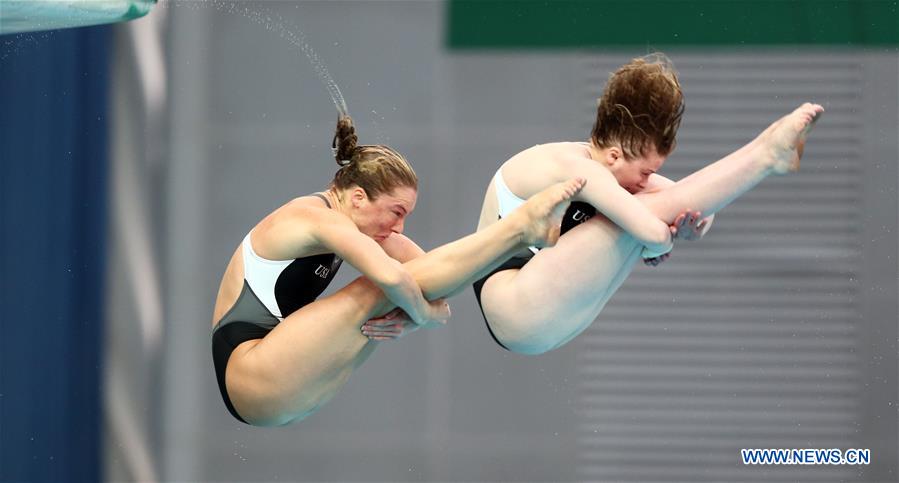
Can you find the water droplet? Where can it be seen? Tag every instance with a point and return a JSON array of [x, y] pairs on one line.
[[286, 30]]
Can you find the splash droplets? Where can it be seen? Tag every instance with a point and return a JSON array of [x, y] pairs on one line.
[[286, 30], [13, 44]]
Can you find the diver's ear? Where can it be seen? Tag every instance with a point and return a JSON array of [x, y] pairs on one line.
[[614, 155], [358, 197]]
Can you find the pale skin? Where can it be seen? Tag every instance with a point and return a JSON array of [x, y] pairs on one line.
[[302, 363], [562, 290]]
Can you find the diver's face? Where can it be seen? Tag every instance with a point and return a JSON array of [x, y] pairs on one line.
[[386, 214], [633, 173]]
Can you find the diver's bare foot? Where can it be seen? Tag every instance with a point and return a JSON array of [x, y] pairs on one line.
[[543, 212], [785, 139]]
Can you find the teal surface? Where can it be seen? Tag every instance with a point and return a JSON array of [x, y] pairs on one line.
[[530, 24], [18, 16]]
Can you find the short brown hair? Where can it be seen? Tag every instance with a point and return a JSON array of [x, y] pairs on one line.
[[641, 107], [375, 168]]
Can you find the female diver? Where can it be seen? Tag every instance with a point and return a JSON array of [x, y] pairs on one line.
[[541, 299]]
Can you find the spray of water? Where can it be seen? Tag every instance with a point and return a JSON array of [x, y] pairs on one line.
[[13, 44], [379, 133], [285, 29]]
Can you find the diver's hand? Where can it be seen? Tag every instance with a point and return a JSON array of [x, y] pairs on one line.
[[397, 323], [689, 225], [391, 326]]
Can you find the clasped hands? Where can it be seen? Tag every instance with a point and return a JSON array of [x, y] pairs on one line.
[[689, 225], [397, 323]]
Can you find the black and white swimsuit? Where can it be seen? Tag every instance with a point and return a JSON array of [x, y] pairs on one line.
[[272, 290]]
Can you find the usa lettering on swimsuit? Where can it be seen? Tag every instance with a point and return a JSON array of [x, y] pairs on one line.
[[580, 216], [322, 271]]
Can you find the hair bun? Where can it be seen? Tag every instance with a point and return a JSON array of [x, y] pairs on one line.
[[344, 142]]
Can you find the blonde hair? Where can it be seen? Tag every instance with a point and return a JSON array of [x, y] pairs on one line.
[[641, 106], [375, 168]]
